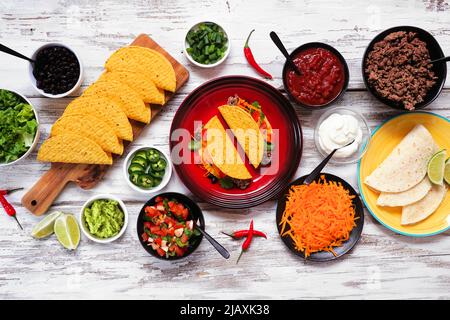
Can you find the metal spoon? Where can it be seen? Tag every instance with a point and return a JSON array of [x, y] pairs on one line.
[[315, 173], [224, 252], [283, 50], [15, 53], [443, 59]]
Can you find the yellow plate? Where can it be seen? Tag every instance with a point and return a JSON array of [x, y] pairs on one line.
[[384, 139]]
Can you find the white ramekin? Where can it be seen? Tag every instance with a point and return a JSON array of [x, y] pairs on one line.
[[33, 79], [36, 137], [225, 56], [165, 180], [85, 230]]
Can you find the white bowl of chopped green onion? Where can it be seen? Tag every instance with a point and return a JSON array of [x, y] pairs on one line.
[[206, 44]]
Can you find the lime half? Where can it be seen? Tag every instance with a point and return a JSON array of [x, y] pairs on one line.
[[447, 171], [67, 231], [436, 167], [45, 227]]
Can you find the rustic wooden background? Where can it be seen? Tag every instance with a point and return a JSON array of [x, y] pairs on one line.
[[383, 264]]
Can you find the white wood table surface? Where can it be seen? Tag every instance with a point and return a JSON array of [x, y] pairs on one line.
[[382, 265]]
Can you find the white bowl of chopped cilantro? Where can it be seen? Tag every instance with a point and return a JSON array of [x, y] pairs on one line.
[[19, 127], [206, 44], [103, 218]]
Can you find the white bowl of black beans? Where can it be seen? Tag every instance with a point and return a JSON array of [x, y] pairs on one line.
[[57, 71]]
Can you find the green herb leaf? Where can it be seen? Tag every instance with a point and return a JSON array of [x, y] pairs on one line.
[[194, 145], [18, 126], [269, 146], [166, 205], [256, 104], [226, 183]]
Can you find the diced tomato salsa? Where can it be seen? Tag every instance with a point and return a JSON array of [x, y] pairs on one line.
[[168, 228], [322, 77]]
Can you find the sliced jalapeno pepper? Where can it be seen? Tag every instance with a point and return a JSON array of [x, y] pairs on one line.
[[140, 160], [157, 174], [134, 178], [141, 153], [136, 168], [157, 182], [145, 181], [153, 155], [159, 165]]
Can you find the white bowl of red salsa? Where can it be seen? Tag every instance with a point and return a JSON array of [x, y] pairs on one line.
[[167, 226], [323, 75]]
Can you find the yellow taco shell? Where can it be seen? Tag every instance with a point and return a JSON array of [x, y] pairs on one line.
[[246, 131], [104, 109], [73, 148], [139, 82], [90, 127], [223, 152], [125, 97], [147, 61]]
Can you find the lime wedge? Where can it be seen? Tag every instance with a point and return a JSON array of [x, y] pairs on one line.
[[447, 171], [44, 228], [436, 167], [67, 231]]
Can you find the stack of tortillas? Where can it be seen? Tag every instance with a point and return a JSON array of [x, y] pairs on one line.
[[402, 178], [94, 125]]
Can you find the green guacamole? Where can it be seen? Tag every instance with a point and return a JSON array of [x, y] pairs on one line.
[[104, 218]]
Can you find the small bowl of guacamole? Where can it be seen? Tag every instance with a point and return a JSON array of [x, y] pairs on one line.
[[104, 218]]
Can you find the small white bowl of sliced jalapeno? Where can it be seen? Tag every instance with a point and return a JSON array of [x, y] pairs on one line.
[[147, 169]]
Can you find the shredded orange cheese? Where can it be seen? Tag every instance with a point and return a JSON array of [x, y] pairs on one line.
[[318, 217]]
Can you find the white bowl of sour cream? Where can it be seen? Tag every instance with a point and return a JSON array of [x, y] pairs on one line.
[[338, 127]]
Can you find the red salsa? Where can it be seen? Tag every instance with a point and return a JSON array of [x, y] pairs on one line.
[[321, 80], [168, 229]]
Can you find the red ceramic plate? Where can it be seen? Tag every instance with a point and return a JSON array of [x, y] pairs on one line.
[[202, 104]]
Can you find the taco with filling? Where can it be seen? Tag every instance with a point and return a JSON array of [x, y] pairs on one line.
[[220, 158], [251, 128]]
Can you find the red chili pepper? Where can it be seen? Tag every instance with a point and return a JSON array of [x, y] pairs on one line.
[[9, 209], [251, 59], [7, 206], [247, 241], [243, 233]]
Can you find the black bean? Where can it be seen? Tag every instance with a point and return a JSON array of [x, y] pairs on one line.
[[56, 70]]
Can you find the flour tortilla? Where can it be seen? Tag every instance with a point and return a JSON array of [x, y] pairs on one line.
[[400, 199], [422, 209], [406, 165]]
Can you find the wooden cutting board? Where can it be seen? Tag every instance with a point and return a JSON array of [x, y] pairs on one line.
[[45, 191]]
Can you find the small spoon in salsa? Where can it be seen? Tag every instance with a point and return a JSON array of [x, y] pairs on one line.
[[283, 50]]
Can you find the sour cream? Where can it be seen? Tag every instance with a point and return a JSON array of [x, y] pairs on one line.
[[338, 130]]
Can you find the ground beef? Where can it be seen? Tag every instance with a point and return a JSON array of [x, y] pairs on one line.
[[242, 184], [233, 100], [398, 68]]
